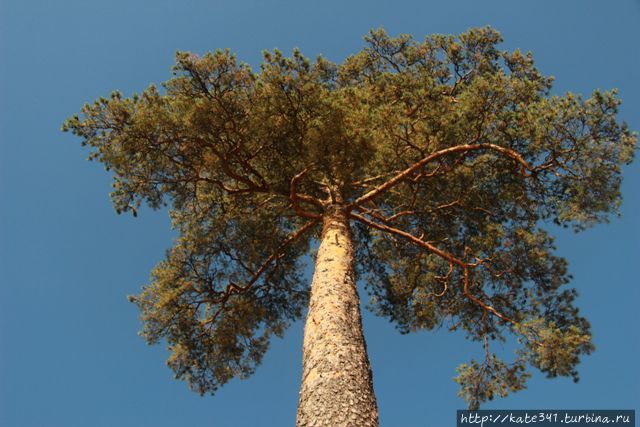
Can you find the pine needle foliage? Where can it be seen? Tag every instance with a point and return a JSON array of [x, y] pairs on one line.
[[451, 156]]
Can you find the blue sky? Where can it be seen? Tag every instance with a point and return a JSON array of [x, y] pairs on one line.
[[69, 353]]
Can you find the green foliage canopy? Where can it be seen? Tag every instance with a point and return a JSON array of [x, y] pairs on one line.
[[450, 155]]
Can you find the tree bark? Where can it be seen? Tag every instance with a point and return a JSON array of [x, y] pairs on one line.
[[337, 386]]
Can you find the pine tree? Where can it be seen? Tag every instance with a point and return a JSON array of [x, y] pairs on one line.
[[427, 170]]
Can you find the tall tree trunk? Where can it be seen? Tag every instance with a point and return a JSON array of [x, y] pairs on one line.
[[337, 388]]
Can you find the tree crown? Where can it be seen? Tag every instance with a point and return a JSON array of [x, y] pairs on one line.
[[449, 155]]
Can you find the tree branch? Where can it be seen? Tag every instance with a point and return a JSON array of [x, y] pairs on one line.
[[443, 254], [524, 165], [410, 237], [294, 197], [234, 288]]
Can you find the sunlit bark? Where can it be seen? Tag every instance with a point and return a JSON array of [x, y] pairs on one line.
[[337, 387]]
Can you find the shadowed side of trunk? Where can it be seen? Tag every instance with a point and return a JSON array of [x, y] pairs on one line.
[[337, 387]]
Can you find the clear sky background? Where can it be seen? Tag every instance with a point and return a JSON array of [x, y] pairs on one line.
[[69, 353]]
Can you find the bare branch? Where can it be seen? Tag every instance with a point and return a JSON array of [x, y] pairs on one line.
[[446, 278]]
